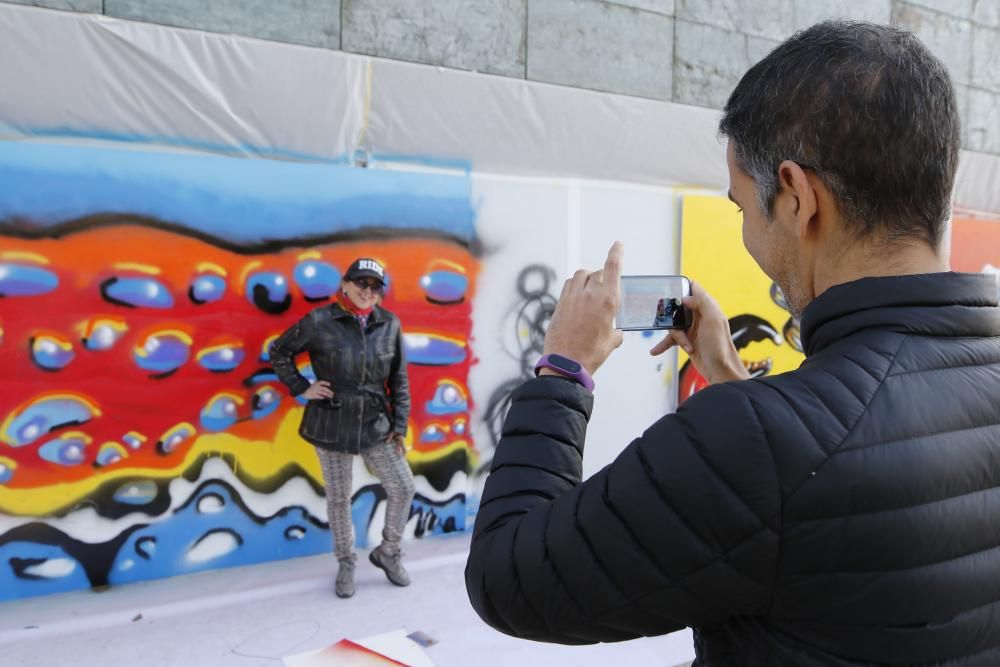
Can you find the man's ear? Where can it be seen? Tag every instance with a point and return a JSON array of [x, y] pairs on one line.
[[797, 198]]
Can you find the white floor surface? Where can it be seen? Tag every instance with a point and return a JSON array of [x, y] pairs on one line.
[[256, 615]]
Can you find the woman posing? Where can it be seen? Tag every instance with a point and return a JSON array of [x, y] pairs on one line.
[[358, 406]]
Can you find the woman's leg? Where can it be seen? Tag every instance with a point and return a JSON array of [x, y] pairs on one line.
[[337, 480], [392, 470]]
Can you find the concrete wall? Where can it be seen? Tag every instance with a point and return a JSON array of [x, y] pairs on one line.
[[687, 51]]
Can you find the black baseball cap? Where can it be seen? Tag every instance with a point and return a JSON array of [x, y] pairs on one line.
[[365, 267]]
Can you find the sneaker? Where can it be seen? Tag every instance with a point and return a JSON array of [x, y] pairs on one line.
[[345, 579], [391, 564]]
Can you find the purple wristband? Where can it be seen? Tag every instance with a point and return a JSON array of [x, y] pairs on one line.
[[567, 367]]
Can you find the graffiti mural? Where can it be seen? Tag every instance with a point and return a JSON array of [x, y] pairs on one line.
[[143, 433], [975, 245], [712, 253], [523, 341], [764, 332]]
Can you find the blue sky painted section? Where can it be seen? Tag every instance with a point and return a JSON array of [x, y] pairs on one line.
[[237, 199]]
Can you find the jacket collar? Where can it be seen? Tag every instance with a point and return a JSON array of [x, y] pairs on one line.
[[934, 304], [378, 313]]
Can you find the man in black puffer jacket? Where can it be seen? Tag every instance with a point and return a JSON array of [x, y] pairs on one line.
[[846, 513]]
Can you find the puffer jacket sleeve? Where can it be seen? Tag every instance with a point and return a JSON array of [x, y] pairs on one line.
[[283, 351], [680, 530]]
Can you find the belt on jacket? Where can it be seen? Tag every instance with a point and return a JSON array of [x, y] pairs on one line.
[[359, 388], [376, 389]]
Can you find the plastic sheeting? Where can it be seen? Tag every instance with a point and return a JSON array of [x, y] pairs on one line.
[[67, 74], [533, 129]]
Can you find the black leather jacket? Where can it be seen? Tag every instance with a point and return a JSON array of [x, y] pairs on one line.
[[366, 369]]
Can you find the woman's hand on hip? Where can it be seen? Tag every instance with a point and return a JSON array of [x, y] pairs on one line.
[[318, 390], [400, 442]]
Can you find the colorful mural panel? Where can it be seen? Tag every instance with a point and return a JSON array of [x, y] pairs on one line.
[[712, 254], [142, 431], [975, 245]]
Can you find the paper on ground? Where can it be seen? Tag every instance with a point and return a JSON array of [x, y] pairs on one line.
[[390, 648]]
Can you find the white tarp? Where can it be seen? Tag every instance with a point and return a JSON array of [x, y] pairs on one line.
[[67, 74], [83, 75]]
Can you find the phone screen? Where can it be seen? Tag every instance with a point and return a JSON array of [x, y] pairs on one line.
[[653, 302]]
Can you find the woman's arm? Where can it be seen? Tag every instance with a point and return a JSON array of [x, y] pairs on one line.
[[283, 351], [399, 387]]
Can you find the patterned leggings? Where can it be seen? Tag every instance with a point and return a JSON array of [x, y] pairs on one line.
[[390, 466]]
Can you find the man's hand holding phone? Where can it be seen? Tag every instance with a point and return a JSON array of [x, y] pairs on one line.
[[583, 325], [708, 341]]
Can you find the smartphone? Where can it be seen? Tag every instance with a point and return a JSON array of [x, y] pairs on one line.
[[653, 302]]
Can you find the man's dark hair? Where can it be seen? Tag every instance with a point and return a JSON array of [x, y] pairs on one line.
[[869, 110]]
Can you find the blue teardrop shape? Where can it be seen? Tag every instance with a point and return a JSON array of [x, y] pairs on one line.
[[220, 413], [207, 288], [51, 353], [136, 493], [46, 415], [431, 350], [223, 359], [67, 451], [142, 292], [317, 280], [24, 280], [432, 434], [448, 399], [268, 291], [103, 336], [162, 353], [265, 401], [445, 286], [110, 454]]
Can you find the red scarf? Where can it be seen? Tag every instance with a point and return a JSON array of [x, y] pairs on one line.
[[348, 305]]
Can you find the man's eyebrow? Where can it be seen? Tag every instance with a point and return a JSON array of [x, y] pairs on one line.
[[729, 193]]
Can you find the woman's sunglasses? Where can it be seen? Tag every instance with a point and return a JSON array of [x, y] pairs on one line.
[[371, 285]]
